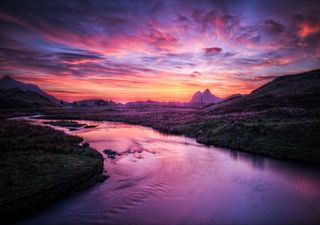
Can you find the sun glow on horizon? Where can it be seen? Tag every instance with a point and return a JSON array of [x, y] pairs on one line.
[[163, 51]]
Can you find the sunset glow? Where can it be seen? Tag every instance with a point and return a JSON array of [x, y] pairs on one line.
[[157, 50]]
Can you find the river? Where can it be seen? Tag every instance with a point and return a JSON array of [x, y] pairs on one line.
[[168, 179]]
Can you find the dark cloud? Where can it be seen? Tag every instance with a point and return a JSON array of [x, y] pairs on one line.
[[76, 57], [62, 63], [26, 59], [212, 50], [273, 26], [195, 74]]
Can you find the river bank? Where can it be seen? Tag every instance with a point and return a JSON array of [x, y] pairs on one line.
[[39, 165], [279, 133], [158, 178]]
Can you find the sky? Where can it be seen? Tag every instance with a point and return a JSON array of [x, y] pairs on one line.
[[156, 50]]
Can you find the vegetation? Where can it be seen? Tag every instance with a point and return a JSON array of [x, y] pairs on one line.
[[296, 138], [16, 99], [63, 123], [39, 164], [284, 133], [294, 91]]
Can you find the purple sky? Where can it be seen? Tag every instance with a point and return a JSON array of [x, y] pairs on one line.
[[159, 50]]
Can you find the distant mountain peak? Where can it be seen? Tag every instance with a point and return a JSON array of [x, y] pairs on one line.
[[205, 98], [7, 77]]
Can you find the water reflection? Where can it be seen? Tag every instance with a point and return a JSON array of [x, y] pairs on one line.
[[256, 161], [167, 179]]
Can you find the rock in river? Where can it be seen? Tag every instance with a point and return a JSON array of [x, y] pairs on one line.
[[110, 153]]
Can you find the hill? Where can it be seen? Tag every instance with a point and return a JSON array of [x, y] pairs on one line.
[[16, 99], [299, 91], [8, 83], [15, 94]]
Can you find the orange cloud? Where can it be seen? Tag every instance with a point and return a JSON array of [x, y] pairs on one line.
[[81, 61]]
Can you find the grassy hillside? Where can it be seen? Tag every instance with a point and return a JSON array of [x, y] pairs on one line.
[[16, 99], [39, 164], [284, 138], [300, 91]]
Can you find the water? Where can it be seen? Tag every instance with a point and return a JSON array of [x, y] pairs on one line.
[[167, 179]]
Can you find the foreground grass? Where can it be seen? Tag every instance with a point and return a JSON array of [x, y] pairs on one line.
[[39, 164]]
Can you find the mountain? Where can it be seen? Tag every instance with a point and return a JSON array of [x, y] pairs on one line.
[[8, 82], [204, 98], [232, 97], [298, 90], [18, 99]]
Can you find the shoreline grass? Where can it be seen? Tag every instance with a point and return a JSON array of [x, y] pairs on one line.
[[279, 133], [39, 164]]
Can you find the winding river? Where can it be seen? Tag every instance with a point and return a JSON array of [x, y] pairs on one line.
[[167, 179]]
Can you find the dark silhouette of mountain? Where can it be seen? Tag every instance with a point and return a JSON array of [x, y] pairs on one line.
[[299, 90], [233, 96], [204, 98], [8, 82], [15, 98], [15, 94]]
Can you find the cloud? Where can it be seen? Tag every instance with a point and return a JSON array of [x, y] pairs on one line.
[[273, 26], [195, 74], [262, 78], [76, 58], [161, 40], [219, 24], [212, 50], [142, 46], [307, 26]]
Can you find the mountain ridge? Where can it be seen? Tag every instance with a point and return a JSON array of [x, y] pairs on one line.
[[7, 82]]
